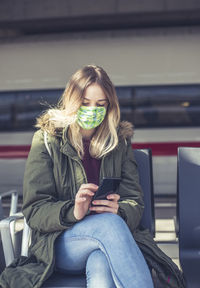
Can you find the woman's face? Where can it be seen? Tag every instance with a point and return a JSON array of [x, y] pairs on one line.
[[94, 97]]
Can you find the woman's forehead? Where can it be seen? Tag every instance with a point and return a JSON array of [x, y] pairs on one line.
[[94, 92]]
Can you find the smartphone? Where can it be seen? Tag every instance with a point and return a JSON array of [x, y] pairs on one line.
[[107, 186]]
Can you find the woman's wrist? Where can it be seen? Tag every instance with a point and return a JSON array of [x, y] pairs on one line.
[[77, 215]]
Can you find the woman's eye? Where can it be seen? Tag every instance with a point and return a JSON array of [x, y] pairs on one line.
[[85, 104]]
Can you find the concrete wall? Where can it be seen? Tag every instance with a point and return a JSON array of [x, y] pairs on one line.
[[162, 56]]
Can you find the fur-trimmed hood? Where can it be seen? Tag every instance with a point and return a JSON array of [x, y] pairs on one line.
[[126, 129]]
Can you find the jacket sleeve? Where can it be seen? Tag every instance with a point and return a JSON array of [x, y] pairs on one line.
[[131, 204], [41, 207]]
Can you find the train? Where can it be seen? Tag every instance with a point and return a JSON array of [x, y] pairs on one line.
[[156, 73]]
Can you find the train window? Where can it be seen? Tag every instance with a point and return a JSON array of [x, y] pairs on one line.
[[161, 106], [147, 106], [20, 109]]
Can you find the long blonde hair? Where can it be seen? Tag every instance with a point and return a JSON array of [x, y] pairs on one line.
[[105, 138]]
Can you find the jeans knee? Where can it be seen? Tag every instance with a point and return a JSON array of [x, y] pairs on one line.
[[112, 223]]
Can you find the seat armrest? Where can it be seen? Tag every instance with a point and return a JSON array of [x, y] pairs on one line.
[[7, 237], [26, 239], [14, 201]]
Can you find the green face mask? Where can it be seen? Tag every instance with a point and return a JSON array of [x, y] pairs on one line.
[[90, 117]]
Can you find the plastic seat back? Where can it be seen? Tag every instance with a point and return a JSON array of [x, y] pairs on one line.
[[144, 161], [188, 204]]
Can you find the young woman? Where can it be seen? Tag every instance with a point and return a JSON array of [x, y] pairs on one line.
[[78, 144]]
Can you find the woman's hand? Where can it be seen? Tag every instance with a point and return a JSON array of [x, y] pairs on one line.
[[83, 200], [111, 205]]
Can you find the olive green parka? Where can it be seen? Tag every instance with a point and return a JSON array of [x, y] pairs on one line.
[[50, 186]]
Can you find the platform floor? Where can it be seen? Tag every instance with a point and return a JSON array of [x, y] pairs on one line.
[[165, 213], [166, 238]]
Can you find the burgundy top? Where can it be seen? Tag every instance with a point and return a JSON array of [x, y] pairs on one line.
[[90, 164]]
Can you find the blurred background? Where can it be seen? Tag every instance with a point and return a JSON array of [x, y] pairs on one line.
[[151, 51]]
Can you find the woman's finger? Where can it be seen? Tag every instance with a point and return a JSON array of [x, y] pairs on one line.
[[89, 186], [101, 209], [84, 192], [80, 200], [104, 203], [114, 197]]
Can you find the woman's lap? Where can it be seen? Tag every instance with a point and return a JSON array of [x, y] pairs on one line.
[[110, 234], [74, 246]]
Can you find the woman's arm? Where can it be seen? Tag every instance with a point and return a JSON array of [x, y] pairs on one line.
[[41, 207], [131, 203]]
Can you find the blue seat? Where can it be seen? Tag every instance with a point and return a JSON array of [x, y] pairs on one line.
[[144, 160], [188, 207]]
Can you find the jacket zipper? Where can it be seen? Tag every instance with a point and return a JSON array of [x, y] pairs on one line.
[[101, 169], [82, 168]]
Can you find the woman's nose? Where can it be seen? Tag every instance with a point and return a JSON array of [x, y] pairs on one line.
[[93, 104]]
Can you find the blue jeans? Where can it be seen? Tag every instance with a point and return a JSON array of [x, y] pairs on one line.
[[103, 246]]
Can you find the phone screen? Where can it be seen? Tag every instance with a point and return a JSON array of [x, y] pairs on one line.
[[107, 186]]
